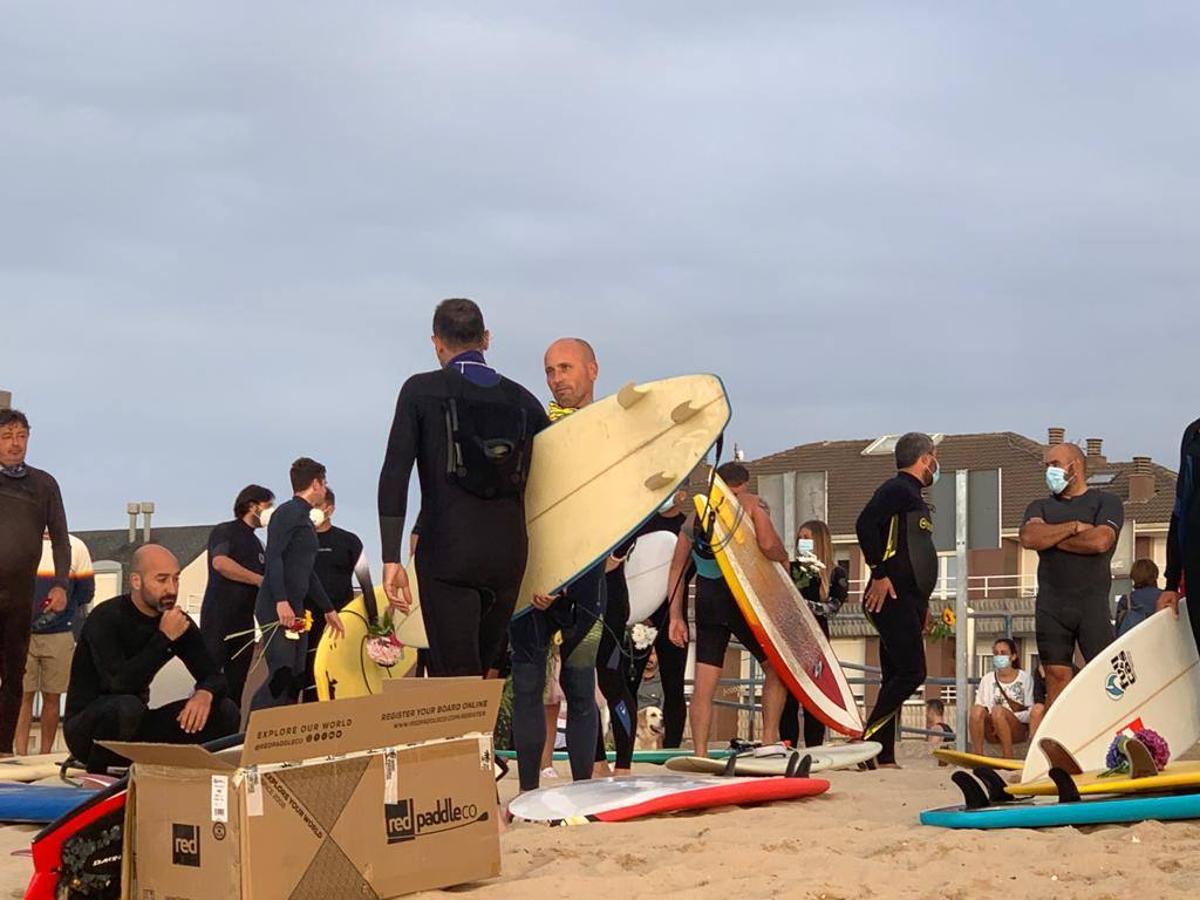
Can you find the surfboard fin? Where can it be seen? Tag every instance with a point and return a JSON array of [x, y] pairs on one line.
[[1059, 756], [1141, 762], [996, 788], [1068, 790], [730, 767], [631, 394], [660, 480], [799, 768], [972, 791], [683, 412]]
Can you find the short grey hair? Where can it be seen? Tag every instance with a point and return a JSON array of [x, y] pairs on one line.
[[912, 447]]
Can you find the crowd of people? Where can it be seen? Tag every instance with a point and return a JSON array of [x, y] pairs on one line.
[[469, 433]]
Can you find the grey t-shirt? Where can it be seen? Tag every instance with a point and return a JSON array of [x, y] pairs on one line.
[[1072, 579]]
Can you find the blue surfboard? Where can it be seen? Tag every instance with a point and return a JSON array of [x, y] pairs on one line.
[[1050, 813], [38, 804]]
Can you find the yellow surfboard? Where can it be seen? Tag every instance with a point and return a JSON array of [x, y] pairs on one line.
[[971, 760], [342, 667], [599, 473], [1174, 777]]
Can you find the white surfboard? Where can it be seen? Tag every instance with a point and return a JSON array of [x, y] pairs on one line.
[[646, 573], [1147, 678], [827, 757]]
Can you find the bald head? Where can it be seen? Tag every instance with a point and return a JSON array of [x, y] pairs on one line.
[[154, 579], [1072, 460], [571, 372]]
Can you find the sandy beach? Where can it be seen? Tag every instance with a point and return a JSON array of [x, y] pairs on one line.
[[862, 839]]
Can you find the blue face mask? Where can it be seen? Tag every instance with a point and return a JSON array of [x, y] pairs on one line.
[[937, 473], [1001, 662], [804, 546], [1056, 479]]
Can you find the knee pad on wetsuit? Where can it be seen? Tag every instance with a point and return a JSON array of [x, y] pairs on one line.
[[579, 686], [528, 680]]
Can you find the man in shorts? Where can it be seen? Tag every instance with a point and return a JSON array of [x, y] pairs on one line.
[[52, 641], [1074, 531], [718, 617]]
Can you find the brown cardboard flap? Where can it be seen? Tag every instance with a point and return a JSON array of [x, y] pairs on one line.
[[423, 710], [184, 756]]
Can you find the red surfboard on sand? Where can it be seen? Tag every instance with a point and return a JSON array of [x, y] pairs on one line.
[[778, 615], [635, 796]]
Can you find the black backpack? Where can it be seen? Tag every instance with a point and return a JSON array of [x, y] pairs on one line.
[[488, 444]]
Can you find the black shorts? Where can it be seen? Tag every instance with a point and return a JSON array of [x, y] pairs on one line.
[[1060, 626], [717, 618]]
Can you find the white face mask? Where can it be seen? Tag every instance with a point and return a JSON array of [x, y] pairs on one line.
[[264, 515], [317, 516], [805, 546]]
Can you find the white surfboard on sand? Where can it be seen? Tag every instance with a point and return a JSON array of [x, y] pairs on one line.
[[1147, 678], [824, 758], [646, 573]]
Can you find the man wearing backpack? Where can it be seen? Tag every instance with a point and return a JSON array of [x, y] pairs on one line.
[[469, 431]]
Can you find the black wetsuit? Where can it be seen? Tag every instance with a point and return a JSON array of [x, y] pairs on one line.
[[895, 533], [291, 554], [120, 651], [814, 728], [672, 660], [1183, 541], [339, 561], [473, 548], [228, 606], [29, 506]]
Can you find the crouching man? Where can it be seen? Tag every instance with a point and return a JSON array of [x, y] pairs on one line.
[[124, 644]]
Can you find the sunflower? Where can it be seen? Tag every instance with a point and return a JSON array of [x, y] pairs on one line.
[[948, 617]]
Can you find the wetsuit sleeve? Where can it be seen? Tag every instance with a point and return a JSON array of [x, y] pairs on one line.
[[219, 542], [56, 524], [1174, 572], [1111, 512], [872, 526], [403, 442], [362, 573], [119, 675], [299, 582], [191, 650], [273, 578], [1183, 487], [83, 578]]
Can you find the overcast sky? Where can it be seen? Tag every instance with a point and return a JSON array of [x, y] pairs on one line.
[[223, 228]]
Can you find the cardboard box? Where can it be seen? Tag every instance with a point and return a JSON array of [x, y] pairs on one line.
[[370, 797]]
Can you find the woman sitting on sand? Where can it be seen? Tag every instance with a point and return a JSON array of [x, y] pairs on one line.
[[1002, 702]]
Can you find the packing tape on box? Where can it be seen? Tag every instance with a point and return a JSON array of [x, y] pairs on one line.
[[391, 776], [486, 763], [265, 768], [254, 793], [220, 798]]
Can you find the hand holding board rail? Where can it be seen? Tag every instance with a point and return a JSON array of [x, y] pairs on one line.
[[778, 615], [598, 474], [1147, 678]]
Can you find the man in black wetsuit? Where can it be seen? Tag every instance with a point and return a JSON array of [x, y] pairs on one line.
[[1074, 531], [236, 562], [124, 643], [339, 557], [291, 554], [577, 612], [895, 534], [469, 431], [1183, 540], [30, 505]]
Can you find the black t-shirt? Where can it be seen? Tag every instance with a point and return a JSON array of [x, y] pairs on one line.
[[338, 555], [223, 598], [121, 650], [1066, 578]]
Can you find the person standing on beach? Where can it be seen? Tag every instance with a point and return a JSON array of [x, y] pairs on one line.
[[1183, 539], [717, 615], [577, 613], [340, 558], [236, 562], [895, 534], [30, 505], [1074, 531], [469, 431], [291, 553]]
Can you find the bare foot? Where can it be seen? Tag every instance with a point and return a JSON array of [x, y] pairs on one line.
[[622, 771], [890, 765], [601, 770]]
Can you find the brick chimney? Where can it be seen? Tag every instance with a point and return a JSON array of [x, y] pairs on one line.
[[1057, 436], [1095, 456], [5, 399], [1141, 480]]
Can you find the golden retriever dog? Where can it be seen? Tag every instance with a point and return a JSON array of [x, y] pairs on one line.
[[649, 729]]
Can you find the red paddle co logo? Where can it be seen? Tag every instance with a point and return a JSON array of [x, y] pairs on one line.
[[1122, 676]]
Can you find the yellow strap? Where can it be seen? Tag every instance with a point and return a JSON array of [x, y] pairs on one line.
[[557, 412]]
